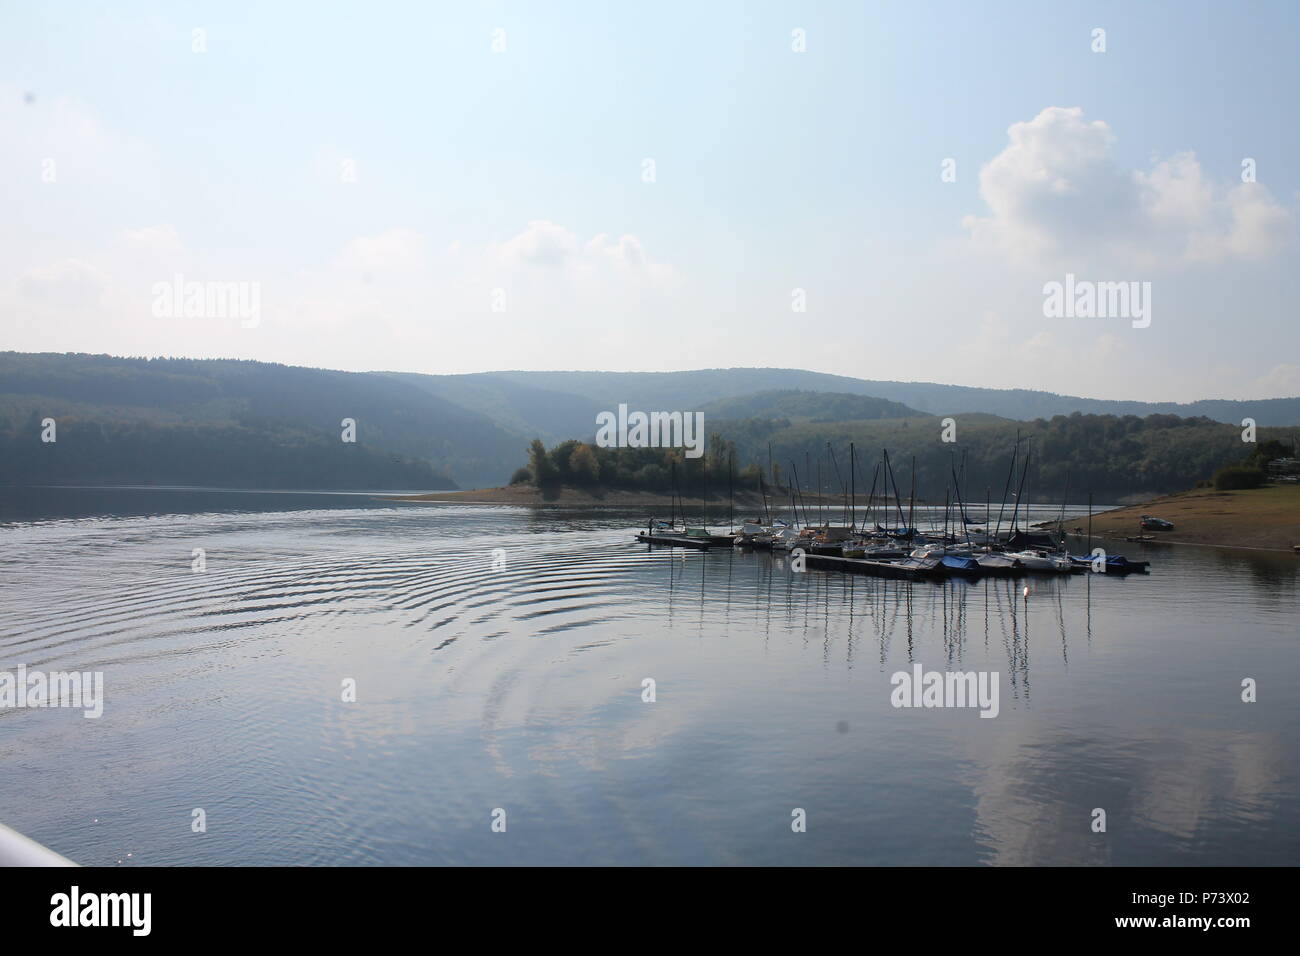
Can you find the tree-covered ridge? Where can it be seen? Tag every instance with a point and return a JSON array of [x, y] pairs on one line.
[[697, 388], [1108, 456], [393, 417], [202, 455], [474, 429], [803, 406]]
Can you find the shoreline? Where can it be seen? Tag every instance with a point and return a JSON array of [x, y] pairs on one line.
[[567, 495], [1256, 519]]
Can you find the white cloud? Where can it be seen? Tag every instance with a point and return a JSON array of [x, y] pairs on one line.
[[1281, 380], [542, 244], [393, 251], [546, 245], [70, 284], [1056, 193]]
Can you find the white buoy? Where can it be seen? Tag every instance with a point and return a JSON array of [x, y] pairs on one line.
[[1025, 592]]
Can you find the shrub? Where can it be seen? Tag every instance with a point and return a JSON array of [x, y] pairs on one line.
[[1238, 476], [521, 476]]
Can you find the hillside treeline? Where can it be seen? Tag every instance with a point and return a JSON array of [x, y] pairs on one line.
[[1109, 456], [212, 455]]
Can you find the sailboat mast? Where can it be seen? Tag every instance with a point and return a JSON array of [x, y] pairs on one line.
[[961, 509], [1090, 522], [731, 492], [1020, 493], [911, 508], [1006, 489], [853, 501], [947, 496], [704, 460], [794, 470], [1060, 520], [672, 507], [821, 494], [898, 498]]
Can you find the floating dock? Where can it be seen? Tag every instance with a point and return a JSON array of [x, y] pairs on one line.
[[678, 541], [876, 569]]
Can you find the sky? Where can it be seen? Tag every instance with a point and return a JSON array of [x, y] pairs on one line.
[[882, 190]]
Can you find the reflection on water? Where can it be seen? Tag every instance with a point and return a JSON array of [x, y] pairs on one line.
[[520, 687]]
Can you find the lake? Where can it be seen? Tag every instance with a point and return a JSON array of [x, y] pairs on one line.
[[498, 657]]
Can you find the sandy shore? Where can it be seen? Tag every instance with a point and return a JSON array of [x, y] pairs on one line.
[[1259, 518]]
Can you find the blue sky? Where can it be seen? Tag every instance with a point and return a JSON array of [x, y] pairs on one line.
[[522, 171]]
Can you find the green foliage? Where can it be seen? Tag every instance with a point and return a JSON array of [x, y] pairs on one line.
[[1235, 477], [521, 476], [394, 417], [1104, 455], [543, 468], [650, 469], [807, 406], [583, 465], [207, 455], [1267, 451]]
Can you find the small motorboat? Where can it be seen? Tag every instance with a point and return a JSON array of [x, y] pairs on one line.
[[1037, 559]]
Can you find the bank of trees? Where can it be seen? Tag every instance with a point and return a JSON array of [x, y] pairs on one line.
[[586, 465], [205, 455], [1105, 455], [1252, 471]]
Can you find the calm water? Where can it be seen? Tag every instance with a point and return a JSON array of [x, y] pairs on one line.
[[521, 688]]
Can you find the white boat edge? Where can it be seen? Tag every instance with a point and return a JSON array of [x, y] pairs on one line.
[[18, 850]]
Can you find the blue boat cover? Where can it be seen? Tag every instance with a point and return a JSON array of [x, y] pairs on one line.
[[897, 532], [1114, 560]]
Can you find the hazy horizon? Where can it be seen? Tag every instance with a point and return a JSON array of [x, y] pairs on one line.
[[669, 371], [459, 189]]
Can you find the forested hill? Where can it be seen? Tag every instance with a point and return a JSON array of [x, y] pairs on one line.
[[235, 423], [1112, 457], [802, 406], [1072, 456], [559, 405], [247, 423]]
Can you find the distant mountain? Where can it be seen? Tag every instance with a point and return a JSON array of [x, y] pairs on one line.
[[246, 420], [239, 401], [519, 407], [694, 389], [797, 406], [202, 455]]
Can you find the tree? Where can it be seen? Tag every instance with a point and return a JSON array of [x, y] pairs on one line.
[[540, 464], [583, 466]]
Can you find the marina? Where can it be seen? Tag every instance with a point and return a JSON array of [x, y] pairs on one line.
[[953, 545]]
